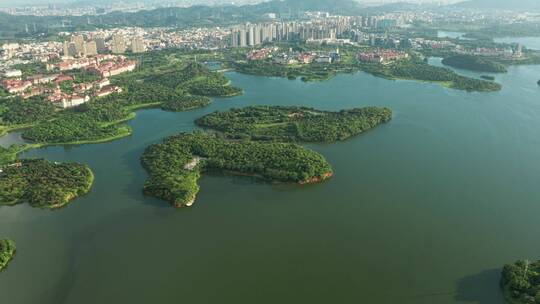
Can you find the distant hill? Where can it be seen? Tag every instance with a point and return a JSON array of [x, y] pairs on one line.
[[500, 4]]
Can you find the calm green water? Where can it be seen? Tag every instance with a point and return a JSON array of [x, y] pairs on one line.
[[425, 209]]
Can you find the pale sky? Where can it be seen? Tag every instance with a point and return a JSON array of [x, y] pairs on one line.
[[5, 3]]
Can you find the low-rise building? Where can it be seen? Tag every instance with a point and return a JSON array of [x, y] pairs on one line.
[[13, 74], [16, 86], [382, 56]]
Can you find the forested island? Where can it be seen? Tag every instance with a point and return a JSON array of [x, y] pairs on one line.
[[290, 123], [521, 282], [42, 183], [7, 251], [176, 87], [474, 63], [415, 70], [175, 165]]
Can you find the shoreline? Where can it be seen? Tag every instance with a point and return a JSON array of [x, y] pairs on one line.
[[72, 196], [311, 181]]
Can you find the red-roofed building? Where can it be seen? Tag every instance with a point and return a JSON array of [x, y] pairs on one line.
[[16, 86]]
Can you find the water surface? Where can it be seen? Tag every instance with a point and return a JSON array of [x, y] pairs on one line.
[[532, 43]]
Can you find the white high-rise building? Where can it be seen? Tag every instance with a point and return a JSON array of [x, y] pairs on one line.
[[90, 48], [137, 45], [118, 45], [100, 44]]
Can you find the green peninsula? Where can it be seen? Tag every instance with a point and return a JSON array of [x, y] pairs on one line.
[[416, 70], [42, 183], [474, 63], [521, 282], [176, 164], [7, 251], [290, 123]]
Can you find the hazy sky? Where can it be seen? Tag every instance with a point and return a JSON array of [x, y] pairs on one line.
[[9, 3]]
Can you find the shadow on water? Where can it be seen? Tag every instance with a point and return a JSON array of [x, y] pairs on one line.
[[481, 288], [82, 246]]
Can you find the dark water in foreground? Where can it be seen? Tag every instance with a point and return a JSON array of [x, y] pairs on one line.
[[425, 209]]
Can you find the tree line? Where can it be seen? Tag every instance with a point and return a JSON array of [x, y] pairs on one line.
[[42, 183], [291, 123], [171, 180]]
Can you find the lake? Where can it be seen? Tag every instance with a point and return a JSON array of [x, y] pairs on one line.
[[425, 209], [532, 43]]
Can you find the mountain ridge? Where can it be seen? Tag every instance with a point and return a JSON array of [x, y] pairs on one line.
[[499, 4]]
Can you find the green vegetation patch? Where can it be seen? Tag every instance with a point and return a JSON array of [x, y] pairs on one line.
[[185, 103], [474, 63], [16, 111], [174, 81], [42, 183], [176, 164], [521, 282], [295, 123], [73, 129], [9, 155], [425, 72], [7, 251]]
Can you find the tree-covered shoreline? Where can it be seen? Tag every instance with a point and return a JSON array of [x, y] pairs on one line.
[[7, 252], [406, 69], [175, 165], [474, 63], [428, 73], [42, 183], [521, 282], [290, 123]]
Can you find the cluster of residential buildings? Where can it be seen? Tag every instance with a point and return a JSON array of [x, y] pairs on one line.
[[515, 52], [79, 46], [382, 56], [292, 57], [317, 26], [52, 84], [103, 65]]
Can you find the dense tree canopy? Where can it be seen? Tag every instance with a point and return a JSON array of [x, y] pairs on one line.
[[474, 63], [74, 128], [18, 111], [295, 123], [7, 251], [521, 282], [42, 183], [185, 103], [175, 164], [426, 72]]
